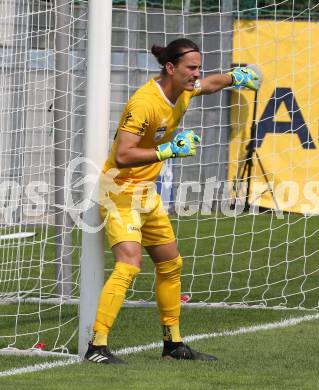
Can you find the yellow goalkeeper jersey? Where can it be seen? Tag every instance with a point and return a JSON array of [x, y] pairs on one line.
[[154, 118]]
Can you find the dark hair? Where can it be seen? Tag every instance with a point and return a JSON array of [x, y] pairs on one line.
[[173, 51]]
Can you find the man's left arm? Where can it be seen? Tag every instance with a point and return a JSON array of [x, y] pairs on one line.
[[215, 83], [238, 78]]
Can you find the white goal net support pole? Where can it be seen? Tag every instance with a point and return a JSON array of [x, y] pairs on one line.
[[96, 150], [62, 152]]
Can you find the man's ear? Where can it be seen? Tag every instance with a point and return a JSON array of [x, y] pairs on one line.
[[170, 68]]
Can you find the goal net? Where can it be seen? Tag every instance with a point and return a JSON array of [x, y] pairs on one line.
[[244, 209], [42, 111]]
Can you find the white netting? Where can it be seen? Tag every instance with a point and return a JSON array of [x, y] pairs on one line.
[[234, 250], [42, 111], [232, 253]]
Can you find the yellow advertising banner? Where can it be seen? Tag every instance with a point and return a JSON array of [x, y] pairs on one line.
[[283, 145]]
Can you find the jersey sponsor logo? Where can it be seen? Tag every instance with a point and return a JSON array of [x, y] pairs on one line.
[[132, 229]]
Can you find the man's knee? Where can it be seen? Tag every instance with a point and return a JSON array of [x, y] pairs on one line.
[[129, 252], [170, 268]]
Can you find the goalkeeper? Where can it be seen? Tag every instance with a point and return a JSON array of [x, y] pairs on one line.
[[144, 140]]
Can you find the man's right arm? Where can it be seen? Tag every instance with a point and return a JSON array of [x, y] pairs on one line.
[[133, 128], [128, 154]]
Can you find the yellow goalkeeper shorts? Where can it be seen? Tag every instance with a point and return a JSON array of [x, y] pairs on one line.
[[144, 222]]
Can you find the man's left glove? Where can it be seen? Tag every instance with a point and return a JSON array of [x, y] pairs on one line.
[[245, 77]]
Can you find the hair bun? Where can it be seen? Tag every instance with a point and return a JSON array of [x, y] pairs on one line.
[[159, 53]]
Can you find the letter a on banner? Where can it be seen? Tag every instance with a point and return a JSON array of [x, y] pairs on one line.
[[297, 125]]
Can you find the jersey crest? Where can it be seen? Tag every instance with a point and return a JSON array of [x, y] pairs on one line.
[[159, 134], [160, 131]]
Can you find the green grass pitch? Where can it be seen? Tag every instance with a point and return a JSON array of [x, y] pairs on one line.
[[255, 259]]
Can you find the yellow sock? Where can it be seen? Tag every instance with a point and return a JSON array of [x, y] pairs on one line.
[[99, 338], [171, 333], [168, 297], [111, 299]]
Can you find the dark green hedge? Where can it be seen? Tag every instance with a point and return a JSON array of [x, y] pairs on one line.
[[302, 9]]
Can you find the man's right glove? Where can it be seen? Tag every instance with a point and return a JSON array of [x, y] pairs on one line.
[[183, 145], [245, 77]]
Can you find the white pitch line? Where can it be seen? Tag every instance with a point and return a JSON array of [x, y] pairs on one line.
[[243, 330], [140, 348], [39, 367]]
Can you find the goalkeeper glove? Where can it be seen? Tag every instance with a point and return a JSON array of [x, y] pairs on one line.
[[183, 145], [245, 77]]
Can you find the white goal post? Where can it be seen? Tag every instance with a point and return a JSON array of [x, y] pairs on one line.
[[245, 209]]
